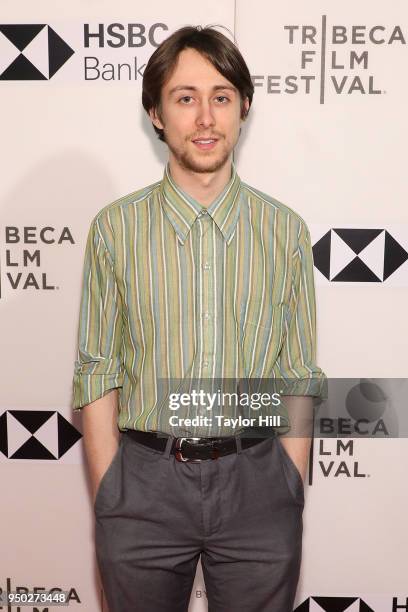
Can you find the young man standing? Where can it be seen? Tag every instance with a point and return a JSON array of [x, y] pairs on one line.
[[196, 276]]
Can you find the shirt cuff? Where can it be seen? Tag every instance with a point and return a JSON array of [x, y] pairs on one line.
[[89, 387], [314, 385]]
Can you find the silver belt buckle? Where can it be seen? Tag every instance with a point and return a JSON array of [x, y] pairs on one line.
[[179, 452]]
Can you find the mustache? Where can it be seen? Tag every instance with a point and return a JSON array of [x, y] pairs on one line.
[[205, 137]]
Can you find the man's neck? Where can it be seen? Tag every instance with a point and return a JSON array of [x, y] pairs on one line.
[[203, 187]]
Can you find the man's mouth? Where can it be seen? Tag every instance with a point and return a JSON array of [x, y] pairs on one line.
[[205, 143]]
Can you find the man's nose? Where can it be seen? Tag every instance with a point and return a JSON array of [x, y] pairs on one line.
[[205, 116]]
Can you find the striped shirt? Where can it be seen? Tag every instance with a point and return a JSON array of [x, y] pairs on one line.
[[174, 291]]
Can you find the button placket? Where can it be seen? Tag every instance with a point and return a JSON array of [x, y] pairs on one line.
[[206, 294], [208, 284]]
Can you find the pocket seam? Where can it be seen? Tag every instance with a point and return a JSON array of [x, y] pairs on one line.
[[289, 462], [104, 477]]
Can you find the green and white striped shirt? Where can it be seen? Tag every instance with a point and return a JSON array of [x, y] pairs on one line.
[[173, 290]]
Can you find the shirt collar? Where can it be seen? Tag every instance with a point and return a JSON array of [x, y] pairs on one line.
[[182, 210]]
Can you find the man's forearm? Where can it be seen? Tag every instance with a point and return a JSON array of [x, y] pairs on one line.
[[101, 435], [297, 442]]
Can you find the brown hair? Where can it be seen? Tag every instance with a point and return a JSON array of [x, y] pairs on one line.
[[214, 46]]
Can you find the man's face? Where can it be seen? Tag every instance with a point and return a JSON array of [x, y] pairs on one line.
[[199, 105]]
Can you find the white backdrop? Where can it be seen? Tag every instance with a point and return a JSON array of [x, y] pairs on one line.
[[71, 144]]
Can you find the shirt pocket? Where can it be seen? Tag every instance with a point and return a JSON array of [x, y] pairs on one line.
[[263, 327]]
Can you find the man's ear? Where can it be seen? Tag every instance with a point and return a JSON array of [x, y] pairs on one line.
[[245, 109], [154, 116]]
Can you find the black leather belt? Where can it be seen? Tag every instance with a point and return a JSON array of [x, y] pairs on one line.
[[192, 449]]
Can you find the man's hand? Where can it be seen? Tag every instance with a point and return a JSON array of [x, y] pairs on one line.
[[99, 471], [101, 436], [297, 444], [298, 450]]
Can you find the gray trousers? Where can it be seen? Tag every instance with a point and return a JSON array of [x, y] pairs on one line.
[[155, 516]]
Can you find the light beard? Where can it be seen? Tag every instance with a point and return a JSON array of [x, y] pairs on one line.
[[188, 162]]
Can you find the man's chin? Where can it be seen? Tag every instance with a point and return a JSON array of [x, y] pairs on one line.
[[203, 165]]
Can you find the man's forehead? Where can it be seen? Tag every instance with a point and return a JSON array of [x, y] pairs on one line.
[[190, 69]]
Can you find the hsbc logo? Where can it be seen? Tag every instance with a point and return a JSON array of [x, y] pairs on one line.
[[358, 255], [109, 52], [115, 35], [31, 52], [36, 434], [334, 604]]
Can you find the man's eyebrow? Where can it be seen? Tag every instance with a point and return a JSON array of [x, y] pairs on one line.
[[192, 88]]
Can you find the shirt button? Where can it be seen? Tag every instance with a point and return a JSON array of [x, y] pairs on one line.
[[207, 266], [205, 364], [206, 315]]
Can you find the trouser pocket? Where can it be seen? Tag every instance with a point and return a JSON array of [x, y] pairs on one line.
[[292, 475], [107, 476]]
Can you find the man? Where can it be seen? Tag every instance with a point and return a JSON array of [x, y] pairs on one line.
[[198, 276]]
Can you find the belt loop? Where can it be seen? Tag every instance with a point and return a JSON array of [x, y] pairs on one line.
[[238, 443], [169, 444]]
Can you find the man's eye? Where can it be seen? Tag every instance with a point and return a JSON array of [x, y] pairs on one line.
[[186, 99]]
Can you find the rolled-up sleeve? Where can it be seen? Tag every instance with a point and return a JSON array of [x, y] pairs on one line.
[[297, 360], [98, 367]]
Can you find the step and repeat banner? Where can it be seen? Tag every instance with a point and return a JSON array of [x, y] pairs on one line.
[[326, 135]]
